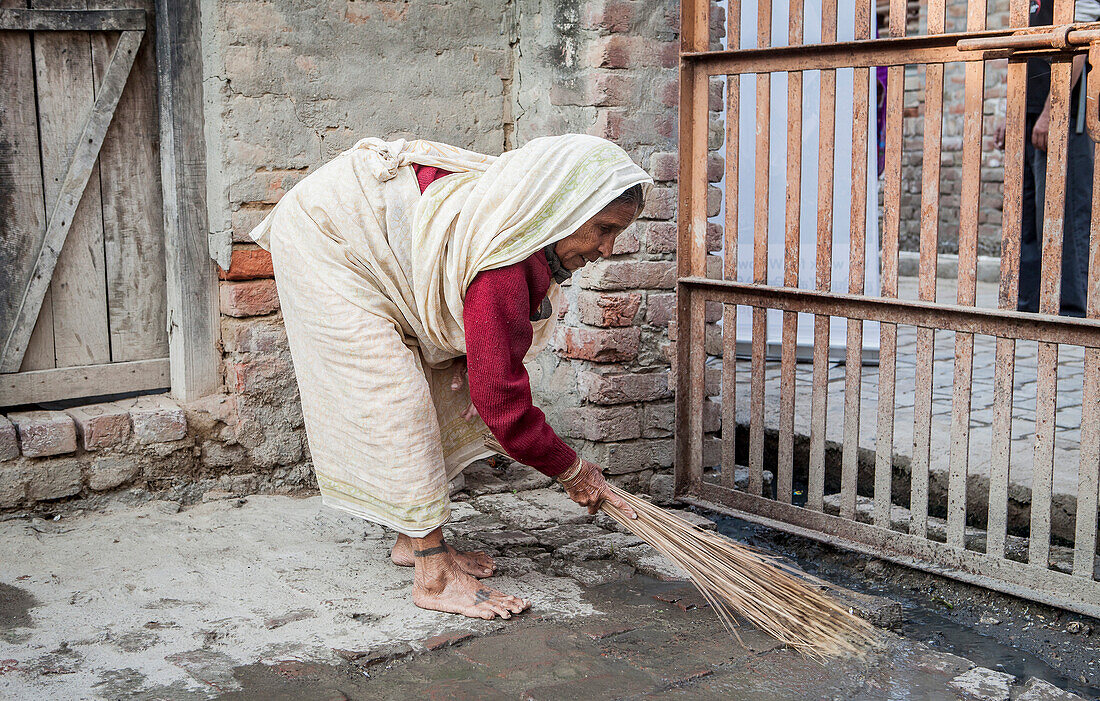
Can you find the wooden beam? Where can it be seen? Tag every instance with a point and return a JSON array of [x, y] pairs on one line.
[[192, 281], [72, 20], [72, 189], [82, 381]]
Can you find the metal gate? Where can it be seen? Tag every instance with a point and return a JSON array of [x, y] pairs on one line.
[[885, 510]]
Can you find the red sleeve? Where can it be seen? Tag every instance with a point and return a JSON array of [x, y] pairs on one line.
[[426, 175], [498, 334]]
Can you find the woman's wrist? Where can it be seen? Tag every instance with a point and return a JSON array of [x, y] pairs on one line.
[[566, 478]]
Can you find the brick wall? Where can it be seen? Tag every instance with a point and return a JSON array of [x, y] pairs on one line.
[[291, 84], [609, 68], [992, 182]]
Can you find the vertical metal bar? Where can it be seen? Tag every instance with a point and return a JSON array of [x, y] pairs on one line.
[[888, 333], [967, 285], [857, 263], [691, 244], [1005, 367], [815, 492], [729, 311], [1088, 472], [785, 466], [1049, 299], [760, 253], [926, 286]]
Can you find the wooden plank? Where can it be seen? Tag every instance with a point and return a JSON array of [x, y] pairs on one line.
[[22, 202], [83, 381], [192, 281], [23, 20], [133, 220], [63, 63]]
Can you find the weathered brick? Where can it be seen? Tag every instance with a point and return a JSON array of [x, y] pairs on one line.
[[54, 479], [156, 419], [600, 423], [101, 425], [622, 388], [660, 308], [253, 336], [248, 264], [660, 204], [110, 472], [255, 374], [608, 309], [658, 420], [626, 242], [9, 440], [660, 236], [631, 274], [608, 15], [245, 219], [609, 52], [712, 416], [14, 477], [43, 433], [664, 166], [608, 124], [634, 456], [251, 298], [600, 345]]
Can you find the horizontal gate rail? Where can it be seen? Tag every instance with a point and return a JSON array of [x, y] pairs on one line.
[[1009, 576], [893, 51], [950, 317]]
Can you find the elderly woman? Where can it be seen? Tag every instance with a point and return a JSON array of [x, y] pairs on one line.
[[406, 268]]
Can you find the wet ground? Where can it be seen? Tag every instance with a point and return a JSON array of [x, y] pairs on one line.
[[270, 597]]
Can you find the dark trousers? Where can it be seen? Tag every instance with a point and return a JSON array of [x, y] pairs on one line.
[[1078, 218]]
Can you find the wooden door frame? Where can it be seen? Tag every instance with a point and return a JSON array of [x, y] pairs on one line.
[[193, 314]]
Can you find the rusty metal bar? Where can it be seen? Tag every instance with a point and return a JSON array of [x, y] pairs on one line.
[[815, 492], [785, 463], [1088, 472], [932, 48], [857, 263], [1049, 302], [760, 253], [691, 245], [729, 311], [967, 280], [929, 241], [1005, 367], [1015, 578], [888, 333], [1059, 38], [948, 317]]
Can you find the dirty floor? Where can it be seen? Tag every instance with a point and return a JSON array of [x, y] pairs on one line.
[[275, 597]]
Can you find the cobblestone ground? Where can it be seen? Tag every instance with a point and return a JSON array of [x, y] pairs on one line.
[[1067, 418], [270, 597]]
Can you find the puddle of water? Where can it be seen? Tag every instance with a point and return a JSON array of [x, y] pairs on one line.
[[925, 624]]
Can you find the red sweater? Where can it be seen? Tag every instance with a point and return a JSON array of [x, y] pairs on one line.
[[497, 316]]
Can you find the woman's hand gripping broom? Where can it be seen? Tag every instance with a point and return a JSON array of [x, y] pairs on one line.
[[738, 580]]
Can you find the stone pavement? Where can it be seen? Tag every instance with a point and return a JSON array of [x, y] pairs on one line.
[[269, 597], [1067, 418]]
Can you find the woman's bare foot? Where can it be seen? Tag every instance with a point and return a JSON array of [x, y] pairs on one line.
[[443, 586], [474, 562]]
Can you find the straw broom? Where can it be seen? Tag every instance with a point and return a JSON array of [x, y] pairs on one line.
[[739, 580]]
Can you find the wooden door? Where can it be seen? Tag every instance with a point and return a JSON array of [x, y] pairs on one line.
[[82, 268]]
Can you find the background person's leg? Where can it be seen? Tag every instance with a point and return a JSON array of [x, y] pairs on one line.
[[1075, 238], [1031, 226]]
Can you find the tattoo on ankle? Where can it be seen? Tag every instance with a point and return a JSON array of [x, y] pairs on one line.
[[482, 596], [430, 551]]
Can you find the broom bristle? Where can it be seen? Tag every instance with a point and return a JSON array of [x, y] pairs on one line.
[[738, 580]]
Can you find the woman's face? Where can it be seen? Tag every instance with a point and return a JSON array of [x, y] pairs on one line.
[[595, 238]]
